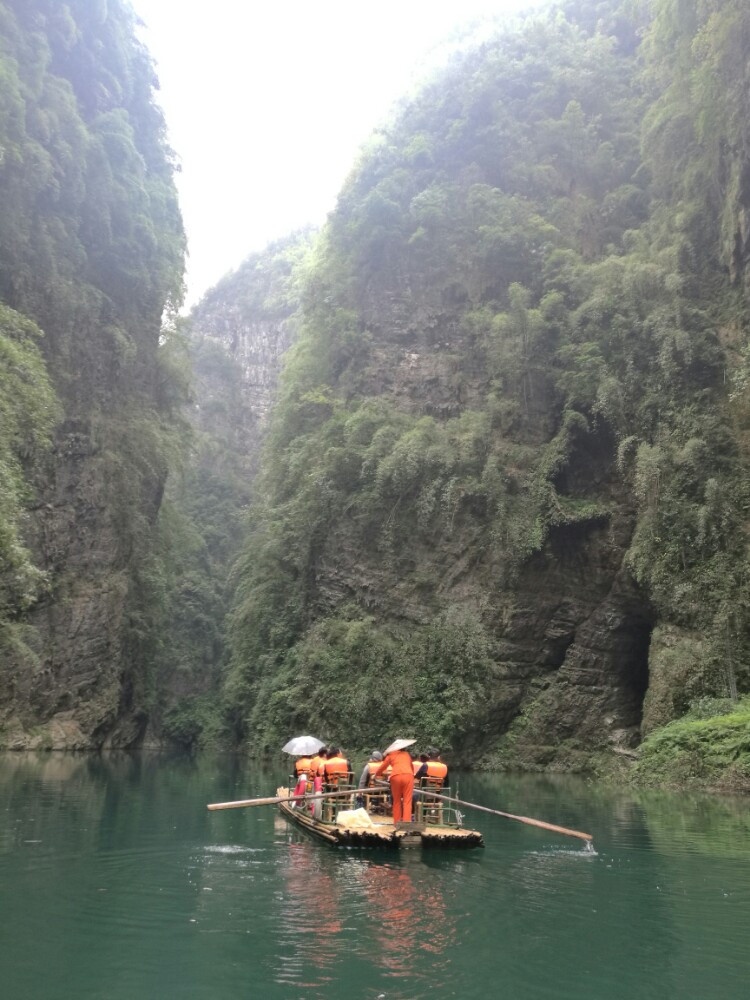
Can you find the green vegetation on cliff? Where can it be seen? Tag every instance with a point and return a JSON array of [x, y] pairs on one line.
[[91, 257], [710, 746], [502, 503], [520, 372], [27, 413], [236, 338]]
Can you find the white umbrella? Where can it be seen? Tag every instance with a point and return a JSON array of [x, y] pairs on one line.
[[303, 745], [399, 745]]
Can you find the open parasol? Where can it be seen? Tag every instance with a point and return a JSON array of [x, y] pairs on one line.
[[302, 745], [399, 745]]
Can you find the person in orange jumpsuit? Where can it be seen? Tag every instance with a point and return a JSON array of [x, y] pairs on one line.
[[402, 783]]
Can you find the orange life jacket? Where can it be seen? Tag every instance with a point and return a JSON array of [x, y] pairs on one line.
[[373, 765], [303, 765], [336, 765], [316, 765], [437, 769]]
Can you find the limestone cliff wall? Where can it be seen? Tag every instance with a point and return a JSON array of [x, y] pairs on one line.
[[254, 346], [570, 631], [91, 250]]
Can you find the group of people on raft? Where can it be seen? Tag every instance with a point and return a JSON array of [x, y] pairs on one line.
[[329, 768]]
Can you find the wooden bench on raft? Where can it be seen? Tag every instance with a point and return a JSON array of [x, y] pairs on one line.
[[340, 782], [426, 809], [377, 797]]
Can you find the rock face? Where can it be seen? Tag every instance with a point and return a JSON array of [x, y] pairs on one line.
[[570, 636], [240, 331], [238, 335], [91, 250], [588, 664], [506, 473], [571, 632], [254, 346], [83, 690]]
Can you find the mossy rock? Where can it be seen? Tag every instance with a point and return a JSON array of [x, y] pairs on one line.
[[674, 662], [712, 752]]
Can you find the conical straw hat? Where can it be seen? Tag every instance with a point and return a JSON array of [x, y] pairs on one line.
[[399, 745]]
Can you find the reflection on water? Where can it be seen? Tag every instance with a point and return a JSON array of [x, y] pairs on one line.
[[712, 825], [396, 902], [414, 917], [113, 872], [310, 917]]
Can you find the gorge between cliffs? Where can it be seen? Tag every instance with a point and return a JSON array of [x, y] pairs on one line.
[[468, 462]]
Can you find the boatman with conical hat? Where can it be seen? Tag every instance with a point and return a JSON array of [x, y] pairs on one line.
[[402, 778]]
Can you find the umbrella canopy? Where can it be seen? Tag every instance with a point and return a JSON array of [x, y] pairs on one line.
[[303, 745], [399, 745]]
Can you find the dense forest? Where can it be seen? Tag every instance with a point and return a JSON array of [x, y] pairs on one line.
[[495, 497]]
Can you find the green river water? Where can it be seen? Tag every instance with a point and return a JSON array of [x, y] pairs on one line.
[[116, 883]]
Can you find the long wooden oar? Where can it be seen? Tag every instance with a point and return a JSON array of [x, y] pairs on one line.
[[521, 819], [241, 803]]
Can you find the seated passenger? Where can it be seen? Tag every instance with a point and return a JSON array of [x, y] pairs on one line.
[[315, 780], [317, 763], [336, 767], [432, 766], [302, 765], [432, 773], [368, 771], [302, 771], [367, 778]]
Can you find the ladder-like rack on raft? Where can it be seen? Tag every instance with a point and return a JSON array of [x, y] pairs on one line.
[[435, 825]]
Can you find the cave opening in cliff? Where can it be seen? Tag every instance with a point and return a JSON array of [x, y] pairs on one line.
[[635, 673]]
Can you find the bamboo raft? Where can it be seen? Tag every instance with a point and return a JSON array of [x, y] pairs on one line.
[[382, 833]]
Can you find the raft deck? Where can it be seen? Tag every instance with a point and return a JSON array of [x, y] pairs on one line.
[[383, 832]]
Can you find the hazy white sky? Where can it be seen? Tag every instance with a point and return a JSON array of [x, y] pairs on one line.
[[268, 102]]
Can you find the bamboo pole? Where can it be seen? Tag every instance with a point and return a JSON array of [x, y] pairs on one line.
[[241, 803], [521, 819], [275, 800]]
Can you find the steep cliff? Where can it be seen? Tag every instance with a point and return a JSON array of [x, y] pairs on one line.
[[506, 472], [236, 337], [248, 319], [91, 252], [502, 497]]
